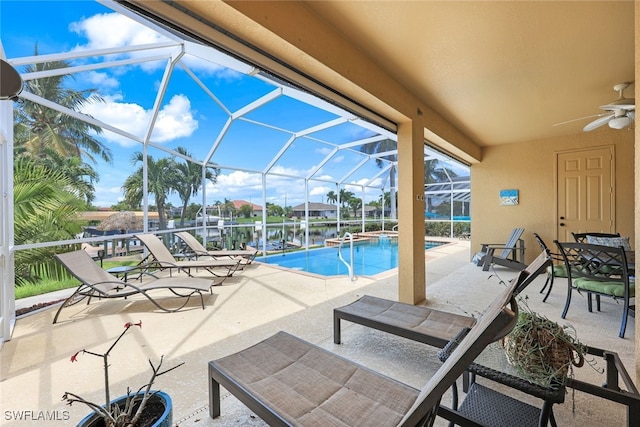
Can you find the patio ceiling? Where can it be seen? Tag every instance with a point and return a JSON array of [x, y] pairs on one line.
[[497, 71]]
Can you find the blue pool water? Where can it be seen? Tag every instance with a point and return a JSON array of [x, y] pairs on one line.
[[369, 258]]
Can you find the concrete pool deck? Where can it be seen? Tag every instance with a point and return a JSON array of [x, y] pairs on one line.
[[35, 369]]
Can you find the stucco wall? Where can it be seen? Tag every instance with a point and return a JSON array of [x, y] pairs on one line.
[[530, 168]]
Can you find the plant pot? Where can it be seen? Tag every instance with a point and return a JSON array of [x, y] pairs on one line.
[[159, 409], [541, 350]]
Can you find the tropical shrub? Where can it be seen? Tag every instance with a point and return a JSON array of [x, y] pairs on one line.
[[45, 207]]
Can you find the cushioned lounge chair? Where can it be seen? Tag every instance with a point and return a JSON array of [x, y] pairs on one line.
[[509, 254], [160, 257], [419, 323], [96, 282], [287, 381], [246, 256]]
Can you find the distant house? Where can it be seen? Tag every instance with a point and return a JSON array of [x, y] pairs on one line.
[[369, 212], [316, 210], [256, 210]]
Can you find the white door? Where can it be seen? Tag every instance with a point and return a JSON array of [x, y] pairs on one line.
[[585, 192]]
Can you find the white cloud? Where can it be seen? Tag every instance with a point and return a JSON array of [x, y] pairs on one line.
[[102, 80], [112, 30], [107, 196], [175, 119], [248, 186], [320, 190], [324, 150]]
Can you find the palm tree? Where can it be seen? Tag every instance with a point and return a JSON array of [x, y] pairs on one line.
[[189, 180], [434, 172], [332, 197], [355, 203], [381, 147], [40, 130], [345, 196], [274, 210], [81, 175], [44, 210], [161, 175]]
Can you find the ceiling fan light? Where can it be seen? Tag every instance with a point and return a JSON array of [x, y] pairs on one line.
[[619, 122], [10, 81]]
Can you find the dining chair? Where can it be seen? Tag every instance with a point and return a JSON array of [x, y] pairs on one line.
[[600, 271], [555, 269]]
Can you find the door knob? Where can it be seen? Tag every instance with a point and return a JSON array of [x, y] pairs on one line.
[[561, 217], [562, 224]]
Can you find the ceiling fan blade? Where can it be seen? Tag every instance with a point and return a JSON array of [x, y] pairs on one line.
[[581, 118], [620, 104], [598, 122]]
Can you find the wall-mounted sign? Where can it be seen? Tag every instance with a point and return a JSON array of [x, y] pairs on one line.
[[509, 197]]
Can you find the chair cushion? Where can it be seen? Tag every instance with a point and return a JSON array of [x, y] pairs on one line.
[[612, 288], [559, 270], [615, 242]]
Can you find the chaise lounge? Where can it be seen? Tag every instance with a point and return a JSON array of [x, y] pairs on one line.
[[96, 282], [246, 256], [419, 323], [160, 257], [287, 381]]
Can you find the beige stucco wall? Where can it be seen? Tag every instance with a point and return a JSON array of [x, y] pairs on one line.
[[637, 174], [530, 168]]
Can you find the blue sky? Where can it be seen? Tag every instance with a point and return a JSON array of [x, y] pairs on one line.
[[189, 116]]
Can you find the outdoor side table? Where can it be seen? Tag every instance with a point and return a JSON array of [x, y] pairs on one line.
[[122, 270], [480, 402]]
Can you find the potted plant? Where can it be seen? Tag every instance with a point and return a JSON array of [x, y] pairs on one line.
[[144, 407], [541, 350]]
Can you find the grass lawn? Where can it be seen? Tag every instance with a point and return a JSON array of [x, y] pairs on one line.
[[48, 285]]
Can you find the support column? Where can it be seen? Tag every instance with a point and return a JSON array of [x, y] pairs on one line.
[[411, 264], [7, 256]]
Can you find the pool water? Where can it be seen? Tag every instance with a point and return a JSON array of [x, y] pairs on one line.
[[369, 258]]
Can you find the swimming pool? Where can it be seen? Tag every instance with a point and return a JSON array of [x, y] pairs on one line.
[[369, 258]]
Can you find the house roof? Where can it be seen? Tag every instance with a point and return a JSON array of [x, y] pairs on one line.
[[239, 203], [316, 207]]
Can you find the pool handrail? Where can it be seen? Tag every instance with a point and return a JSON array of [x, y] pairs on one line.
[[352, 277]]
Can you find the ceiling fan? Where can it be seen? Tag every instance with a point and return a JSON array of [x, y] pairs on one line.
[[617, 114]]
